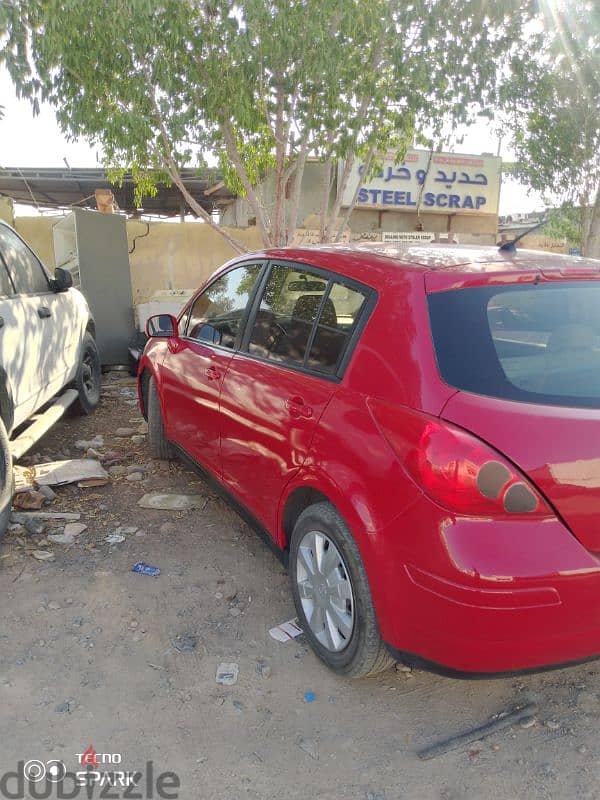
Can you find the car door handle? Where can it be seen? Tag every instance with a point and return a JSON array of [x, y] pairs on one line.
[[44, 312], [297, 408], [213, 374]]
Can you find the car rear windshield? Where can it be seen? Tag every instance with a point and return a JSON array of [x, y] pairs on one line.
[[531, 342]]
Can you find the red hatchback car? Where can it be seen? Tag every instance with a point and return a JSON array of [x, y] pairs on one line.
[[416, 432]]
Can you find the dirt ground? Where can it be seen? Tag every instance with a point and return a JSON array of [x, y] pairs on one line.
[[90, 654]]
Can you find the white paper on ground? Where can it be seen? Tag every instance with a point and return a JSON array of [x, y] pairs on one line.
[[286, 631], [57, 473]]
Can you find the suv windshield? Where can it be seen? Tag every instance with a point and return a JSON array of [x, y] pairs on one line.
[[531, 342]]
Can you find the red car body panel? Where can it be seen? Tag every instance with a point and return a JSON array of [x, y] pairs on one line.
[[471, 593]]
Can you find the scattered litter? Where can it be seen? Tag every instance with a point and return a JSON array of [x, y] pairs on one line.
[[17, 516], [43, 555], [185, 642], [89, 483], [498, 723], [114, 538], [134, 477], [57, 473], [286, 631], [29, 500], [155, 666], [145, 569], [309, 697], [173, 502], [238, 706], [227, 673], [309, 746], [64, 708], [263, 669]]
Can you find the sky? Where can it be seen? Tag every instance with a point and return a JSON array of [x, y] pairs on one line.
[[28, 141]]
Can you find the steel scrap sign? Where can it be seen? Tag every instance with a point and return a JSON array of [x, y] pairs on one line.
[[440, 183]]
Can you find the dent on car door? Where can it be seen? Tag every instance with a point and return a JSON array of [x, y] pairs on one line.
[[196, 361], [278, 386]]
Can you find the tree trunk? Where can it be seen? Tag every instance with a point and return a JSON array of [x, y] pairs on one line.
[[341, 188], [592, 240], [234, 156], [361, 182], [327, 183], [296, 179]]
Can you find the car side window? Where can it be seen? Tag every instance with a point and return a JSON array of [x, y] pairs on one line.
[[287, 312], [336, 324], [26, 271], [217, 313]]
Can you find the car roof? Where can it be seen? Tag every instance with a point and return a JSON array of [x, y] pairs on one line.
[[439, 256], [442, 265]]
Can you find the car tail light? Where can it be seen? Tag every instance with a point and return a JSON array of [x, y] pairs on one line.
[[455, 468]]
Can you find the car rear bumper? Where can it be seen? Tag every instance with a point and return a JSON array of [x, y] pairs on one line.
[[481, 596]]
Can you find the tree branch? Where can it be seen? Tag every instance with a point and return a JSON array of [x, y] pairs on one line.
[[234, 156]]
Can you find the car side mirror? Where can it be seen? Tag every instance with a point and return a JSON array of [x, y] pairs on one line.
[[63, 280], [162, 325]]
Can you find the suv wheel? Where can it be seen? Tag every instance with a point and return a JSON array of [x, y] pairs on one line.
[[159, 446], [87, 380], [7, 480], [332, 596]]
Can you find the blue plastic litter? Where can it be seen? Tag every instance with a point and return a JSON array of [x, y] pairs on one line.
[[145, 569], [309, 697]]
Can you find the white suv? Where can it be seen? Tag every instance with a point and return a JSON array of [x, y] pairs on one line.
[[47, 343]]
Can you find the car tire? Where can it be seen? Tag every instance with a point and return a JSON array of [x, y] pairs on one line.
[[159, 445], [7, 480], [88, 377], [339, 621]]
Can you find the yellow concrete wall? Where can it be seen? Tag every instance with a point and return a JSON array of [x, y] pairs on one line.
[[178, 255], [172, 256], [7, 210], [37, 232]]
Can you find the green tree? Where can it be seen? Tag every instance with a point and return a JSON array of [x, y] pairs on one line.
[[262, 84], [554, 104]]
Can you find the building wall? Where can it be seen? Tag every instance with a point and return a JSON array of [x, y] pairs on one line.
[[481, 229], [171, 256]]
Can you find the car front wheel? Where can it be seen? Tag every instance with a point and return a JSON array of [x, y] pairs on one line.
[[157, 440], [332, 596], [88, 378]]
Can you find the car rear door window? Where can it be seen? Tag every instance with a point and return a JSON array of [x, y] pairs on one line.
[[338, 319], [305, 319], [217, 313], [26, 271]]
